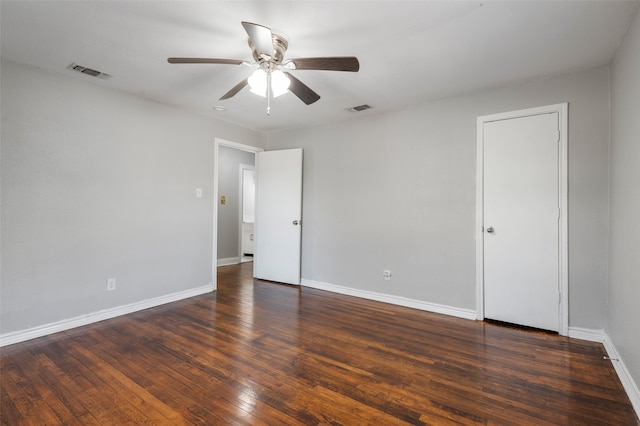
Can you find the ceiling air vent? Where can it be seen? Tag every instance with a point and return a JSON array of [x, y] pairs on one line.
[[88, 71], [360, 108]]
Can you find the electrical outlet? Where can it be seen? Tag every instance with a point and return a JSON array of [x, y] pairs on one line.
[[111, 284], [386, 274]]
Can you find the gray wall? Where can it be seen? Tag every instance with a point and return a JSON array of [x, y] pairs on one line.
[[624, 275], [397, 191], [229, 161], [99, 184]]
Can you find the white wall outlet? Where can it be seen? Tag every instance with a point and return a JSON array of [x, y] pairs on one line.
[[111, 284], [386, 274], [198, 192]]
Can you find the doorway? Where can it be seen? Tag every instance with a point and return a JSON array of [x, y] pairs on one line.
[[221, 206], [521, 215], [278, 189]]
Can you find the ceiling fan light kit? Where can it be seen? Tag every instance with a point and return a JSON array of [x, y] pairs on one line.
[[258, 82], [269, 81]]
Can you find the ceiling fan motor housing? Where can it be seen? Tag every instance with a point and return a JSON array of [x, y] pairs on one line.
[[280, 45]]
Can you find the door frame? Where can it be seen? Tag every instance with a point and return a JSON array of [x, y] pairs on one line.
[[218, 142], [563, 254]]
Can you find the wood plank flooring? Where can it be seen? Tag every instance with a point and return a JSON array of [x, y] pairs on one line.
[[261, 353]]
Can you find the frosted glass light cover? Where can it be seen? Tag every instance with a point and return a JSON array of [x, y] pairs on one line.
[[258, 83]]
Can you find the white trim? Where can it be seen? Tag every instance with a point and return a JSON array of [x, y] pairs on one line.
[[629, 385], [229, 261], [563, 176], [218, 142], [563, 162], [587, 334], [480, 219], [67, 324], [394, 300]]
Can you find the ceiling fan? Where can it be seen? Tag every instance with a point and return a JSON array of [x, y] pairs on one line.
[[272, 78]]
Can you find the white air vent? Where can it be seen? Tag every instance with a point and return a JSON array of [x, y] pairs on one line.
[[88, 71], [360, 108]]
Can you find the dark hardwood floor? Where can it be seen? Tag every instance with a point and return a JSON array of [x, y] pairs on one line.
[[263, 353]]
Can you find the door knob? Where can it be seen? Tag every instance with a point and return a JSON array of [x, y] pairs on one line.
[[296, 222], [490, 230]]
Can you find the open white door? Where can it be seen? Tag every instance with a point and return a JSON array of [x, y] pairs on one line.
[[278, 215]]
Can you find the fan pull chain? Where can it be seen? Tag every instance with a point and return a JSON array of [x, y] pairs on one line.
[[269, 93]]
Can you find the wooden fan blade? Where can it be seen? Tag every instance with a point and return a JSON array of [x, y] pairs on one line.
[[329, 63], [261, 38], [235, 89], [205, 61], [302, 91]]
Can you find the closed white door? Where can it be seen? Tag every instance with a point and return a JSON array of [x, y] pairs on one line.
[[278, 215], [521, 221]]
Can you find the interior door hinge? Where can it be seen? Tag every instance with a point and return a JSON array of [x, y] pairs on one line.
[[559, 297], [558, 136]]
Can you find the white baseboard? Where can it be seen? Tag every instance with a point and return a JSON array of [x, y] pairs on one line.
[[630, 386], [67, 324], [587, 334], [228, 261], [395, 300]]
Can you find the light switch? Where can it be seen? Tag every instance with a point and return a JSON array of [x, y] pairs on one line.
[[198, 192]]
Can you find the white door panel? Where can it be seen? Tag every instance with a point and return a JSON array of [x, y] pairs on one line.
[[278, 215], [521, 208]]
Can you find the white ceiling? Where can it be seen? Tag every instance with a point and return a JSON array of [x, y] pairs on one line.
[[410, 52]]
